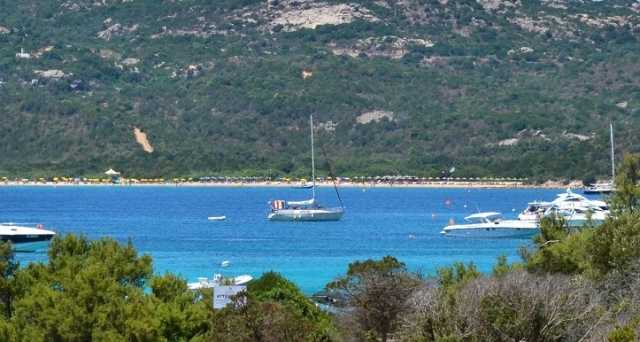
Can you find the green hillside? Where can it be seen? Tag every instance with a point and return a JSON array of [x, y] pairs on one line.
[[492, 87]]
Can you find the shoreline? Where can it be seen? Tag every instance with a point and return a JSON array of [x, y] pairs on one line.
[[366, 185]]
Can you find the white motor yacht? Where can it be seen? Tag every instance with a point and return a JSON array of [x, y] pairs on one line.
[[491, 224], [599, 188], [570, 198], [577, 216], [565, 200], [534, 211], [26, 238]]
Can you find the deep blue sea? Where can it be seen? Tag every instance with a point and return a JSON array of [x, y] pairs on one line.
[[170, 224]]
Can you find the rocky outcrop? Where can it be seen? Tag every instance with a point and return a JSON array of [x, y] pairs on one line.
[[109, 54], [293, 16], [558, 4], [116, 29], [525, 134], [192, 70], [602, 22], [508, 142], [387, 46], [375, 116], [520, 51], [492, 5], [200, 31], [52, 73], [130, 61], [578, 137]]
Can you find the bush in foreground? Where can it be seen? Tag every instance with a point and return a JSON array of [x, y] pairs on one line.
[[104, 291]]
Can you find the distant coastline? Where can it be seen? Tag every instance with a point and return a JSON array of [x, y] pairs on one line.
[[364, 185]]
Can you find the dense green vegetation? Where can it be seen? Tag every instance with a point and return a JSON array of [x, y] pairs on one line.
[[573, 285], [103, 291], [242, 106]]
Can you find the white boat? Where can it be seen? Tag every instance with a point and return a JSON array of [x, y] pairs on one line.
[[26, 238], [306, 214], [534, 211], [577, 216], [599, 188], [565, 200], [217, 218], [307, 185], [206, 283], [492, 224], [307, 210]]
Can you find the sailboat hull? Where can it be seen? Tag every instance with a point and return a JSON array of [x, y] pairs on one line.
[[307, 210], [306, 215]]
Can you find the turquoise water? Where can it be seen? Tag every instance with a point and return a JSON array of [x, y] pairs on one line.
[[170, 224]]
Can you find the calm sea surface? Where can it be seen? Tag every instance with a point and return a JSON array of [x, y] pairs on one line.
[[170, 224]]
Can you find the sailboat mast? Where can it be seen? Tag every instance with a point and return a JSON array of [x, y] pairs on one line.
[[313, 161], [613, 156]]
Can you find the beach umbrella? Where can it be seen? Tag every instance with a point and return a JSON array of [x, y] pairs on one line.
[[111, 172]]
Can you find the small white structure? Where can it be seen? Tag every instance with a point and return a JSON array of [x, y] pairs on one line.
[[23, 55], [115, 175], [222, 295]]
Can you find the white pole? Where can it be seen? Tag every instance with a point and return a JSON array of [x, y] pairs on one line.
[[613, 156], [313, 161]]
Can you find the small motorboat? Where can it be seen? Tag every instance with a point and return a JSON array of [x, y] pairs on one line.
[[225, 263], [217, 218], [308, 185], [218, 279], [492, 224], [603, 188]]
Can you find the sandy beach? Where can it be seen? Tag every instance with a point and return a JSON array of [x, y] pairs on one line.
[[434, 184]]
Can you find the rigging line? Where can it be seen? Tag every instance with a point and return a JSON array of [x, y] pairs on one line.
[[331, 174]]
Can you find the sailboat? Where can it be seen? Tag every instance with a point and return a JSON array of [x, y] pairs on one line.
[[605, 187], [307, 210]]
